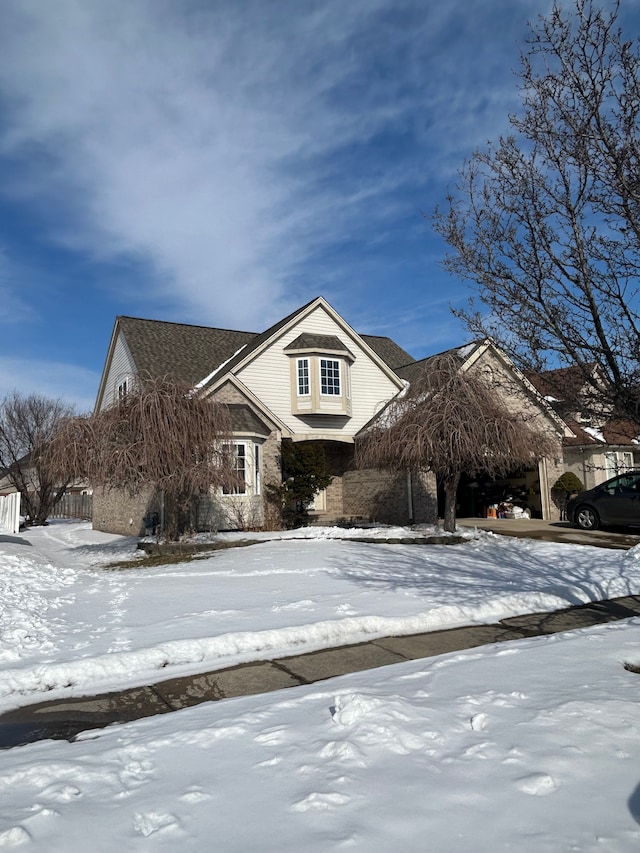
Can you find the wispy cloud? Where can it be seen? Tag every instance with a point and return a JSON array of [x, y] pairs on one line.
[[226, 146], [14, 307], [71, 383]]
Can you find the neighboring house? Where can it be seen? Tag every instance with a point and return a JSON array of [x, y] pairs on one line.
[[309, 377], [600, 445], [530, 487]]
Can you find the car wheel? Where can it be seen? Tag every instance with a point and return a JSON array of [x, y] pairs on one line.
[[587, 518]]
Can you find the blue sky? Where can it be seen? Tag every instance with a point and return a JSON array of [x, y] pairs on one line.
[[224, 161]]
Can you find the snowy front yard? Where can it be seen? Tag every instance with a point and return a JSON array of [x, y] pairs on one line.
[[529, 746]]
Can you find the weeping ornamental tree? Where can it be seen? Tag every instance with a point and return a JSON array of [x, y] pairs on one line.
[[451, 423], [160, 434], [545, 222]]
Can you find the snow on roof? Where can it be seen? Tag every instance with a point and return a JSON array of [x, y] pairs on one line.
[[465, 352], [208, 378], [595, 433]]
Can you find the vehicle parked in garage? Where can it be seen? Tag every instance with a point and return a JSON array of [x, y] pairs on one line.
[[615, 502]]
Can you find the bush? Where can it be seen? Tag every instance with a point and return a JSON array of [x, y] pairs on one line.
[[568, 482]]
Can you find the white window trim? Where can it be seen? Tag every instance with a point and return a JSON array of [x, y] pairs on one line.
[[337, 390], [235, 492], [252, 469], [304, 362], [257, 469]]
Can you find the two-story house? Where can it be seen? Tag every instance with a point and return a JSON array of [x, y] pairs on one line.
[[308, 378]]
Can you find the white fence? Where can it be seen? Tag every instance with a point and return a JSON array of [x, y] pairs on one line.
[[10, 513]]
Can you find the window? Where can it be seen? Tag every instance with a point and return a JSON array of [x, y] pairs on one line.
[[122, 390], [303, 377], [256, 469], [240, 469], [614, 462], [329, 376], [320, 382]]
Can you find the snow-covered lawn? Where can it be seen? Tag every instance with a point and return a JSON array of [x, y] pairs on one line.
[[532, 746]]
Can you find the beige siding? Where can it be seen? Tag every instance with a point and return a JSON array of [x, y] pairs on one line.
[[122, 367], [268, 377], [590, 464]]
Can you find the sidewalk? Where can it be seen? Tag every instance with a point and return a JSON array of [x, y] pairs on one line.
[[64, 718]]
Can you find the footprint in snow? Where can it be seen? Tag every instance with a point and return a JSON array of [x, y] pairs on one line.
[[321, 802], [195, 795], [537, 785], [147, 823], [14, 836]]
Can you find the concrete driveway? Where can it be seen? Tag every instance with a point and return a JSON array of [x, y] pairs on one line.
[[555, 531]]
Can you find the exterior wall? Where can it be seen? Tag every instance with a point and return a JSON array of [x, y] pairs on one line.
[[248, 511], [122, 367], [268, 376], [590, 464], [115, 511], [383, 496]]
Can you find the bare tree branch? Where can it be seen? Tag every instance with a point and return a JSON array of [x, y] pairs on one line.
[[452, 423], [545, 223], [27, 425], [160, 434]]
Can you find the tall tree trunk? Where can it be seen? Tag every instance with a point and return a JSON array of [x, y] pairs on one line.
[[450, 495]]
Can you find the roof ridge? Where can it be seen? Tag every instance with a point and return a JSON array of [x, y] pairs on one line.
[[187, 325]]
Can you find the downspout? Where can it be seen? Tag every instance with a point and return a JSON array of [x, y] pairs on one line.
[[410, 497]]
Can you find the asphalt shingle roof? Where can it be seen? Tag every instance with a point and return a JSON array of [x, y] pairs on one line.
[[388, 350], [244, 419], [183, 352], [189, 353], [307, 340]]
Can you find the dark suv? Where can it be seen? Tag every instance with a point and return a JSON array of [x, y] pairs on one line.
[[615, 502]]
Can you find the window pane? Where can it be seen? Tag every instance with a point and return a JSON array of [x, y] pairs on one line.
[[303, 377], [329, 376], [240, 469]]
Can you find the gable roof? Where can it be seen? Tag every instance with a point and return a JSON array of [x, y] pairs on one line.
[[244, 419], [184, 352], [412, 371], [621, 431], [310, 341], [563, 384], [388, 350], [195, 354], [466, 355], [617, 432], [269, 334]]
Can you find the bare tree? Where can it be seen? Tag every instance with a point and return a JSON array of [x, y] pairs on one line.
[[27, 425], [160, 434], [545, 223], [451, 423]]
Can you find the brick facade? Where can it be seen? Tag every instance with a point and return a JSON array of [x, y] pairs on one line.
[[115, 511], [383, 496]]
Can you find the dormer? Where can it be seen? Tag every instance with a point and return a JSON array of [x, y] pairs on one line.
[[320, 375]]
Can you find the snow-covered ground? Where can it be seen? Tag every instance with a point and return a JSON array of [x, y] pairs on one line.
[[532, 746]]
